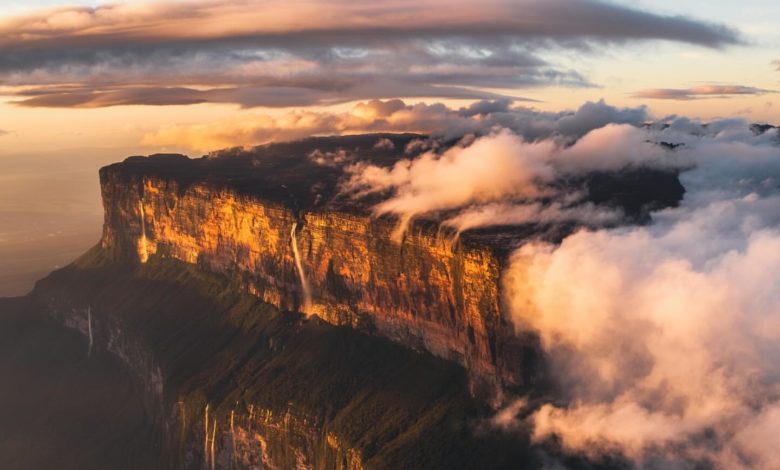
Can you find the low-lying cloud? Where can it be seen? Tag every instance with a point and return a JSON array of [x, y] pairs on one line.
[[664, 339], [397, 116], [502, 178], [508, 214], [491, 169]]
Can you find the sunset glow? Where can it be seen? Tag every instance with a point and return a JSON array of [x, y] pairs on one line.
[[396, 233]]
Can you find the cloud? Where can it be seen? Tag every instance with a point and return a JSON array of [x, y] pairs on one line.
[[507, 214], [663, 339], [700, 92], [491, 169], [776, 64], [272, 53], [594, 115], [501, 178], [335, 158], [397, 116], [385, 144], [4, 133], [613, 147], [275, 21]]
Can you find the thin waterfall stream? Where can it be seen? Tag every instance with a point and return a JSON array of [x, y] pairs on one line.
[[307, 302]]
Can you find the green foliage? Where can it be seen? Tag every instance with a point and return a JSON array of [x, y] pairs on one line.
[[217, 344]]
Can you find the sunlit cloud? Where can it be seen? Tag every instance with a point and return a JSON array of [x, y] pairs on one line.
[[395, 115]]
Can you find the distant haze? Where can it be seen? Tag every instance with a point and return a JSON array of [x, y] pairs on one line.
[[50, 213]]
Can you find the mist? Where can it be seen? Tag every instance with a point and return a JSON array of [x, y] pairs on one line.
[[663, 339], [50, 213], [505, 178]]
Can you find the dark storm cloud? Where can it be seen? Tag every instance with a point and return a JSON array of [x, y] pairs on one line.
[[273, 53]]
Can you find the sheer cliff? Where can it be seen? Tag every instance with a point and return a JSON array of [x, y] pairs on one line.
[[423, 293]]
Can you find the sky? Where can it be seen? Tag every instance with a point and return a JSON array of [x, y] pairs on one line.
[[83, 84]]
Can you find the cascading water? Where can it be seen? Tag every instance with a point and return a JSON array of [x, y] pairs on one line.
[[143, 251], [89, 330], [306, 308]]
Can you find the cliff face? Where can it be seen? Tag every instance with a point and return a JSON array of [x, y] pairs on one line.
[[200, 431], [423, 293]]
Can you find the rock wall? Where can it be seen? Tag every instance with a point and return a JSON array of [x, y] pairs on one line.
[[423, 293], [198, 436], [258, 438]]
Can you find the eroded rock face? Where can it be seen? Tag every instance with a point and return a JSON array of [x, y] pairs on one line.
[[231, 380], [263, 439], [424, 293], [249, 436]]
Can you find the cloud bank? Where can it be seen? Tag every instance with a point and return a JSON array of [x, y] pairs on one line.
[[504, 179], [273, 53], [664, 338], [397, 116], [491, 169]]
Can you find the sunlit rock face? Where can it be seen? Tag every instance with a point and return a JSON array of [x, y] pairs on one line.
[[264, 439], [423, 293]]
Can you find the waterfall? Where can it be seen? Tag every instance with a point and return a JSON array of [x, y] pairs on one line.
[[89, 330], [206, 435], [209, 444], [213, 440], [299, 266], [143, 251]]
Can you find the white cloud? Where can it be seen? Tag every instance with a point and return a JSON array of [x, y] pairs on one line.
[[498, 179], [665, 339]]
